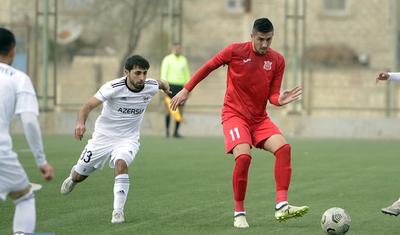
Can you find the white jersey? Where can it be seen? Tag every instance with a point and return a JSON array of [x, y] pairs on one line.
[[17, 96], [123, 109]]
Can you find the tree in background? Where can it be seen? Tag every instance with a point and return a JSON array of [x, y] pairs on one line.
[[118, 25], [130, 17]]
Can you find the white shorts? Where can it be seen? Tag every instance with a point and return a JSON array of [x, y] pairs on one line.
[[12, 175], [101, 148]]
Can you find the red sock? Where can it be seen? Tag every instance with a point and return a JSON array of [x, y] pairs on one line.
[[283, 172], [239, 180]]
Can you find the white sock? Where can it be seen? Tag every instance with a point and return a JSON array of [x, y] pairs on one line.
[[25, 214], [238, 213], [121, 189], [280, 204]]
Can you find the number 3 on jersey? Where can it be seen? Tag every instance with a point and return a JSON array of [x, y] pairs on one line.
[[234, 133], [86, 155]]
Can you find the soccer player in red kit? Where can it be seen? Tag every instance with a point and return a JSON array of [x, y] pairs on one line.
[[254, 74]]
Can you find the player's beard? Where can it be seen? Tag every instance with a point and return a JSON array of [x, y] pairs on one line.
[[138, 86], [135, 85]]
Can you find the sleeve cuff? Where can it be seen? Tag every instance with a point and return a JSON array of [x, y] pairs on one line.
[[274, 99], [394, 76], [41, 161]]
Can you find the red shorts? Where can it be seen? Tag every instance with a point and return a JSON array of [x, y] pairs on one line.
[[237, 131]]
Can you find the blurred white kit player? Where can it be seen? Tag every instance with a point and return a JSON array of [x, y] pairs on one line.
[[18, 98], [117, 129], [393, 209]]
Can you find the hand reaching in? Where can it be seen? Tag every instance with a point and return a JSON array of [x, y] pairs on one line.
[[179, 98], [47, 172], [288, 96], [80, 129], [164, 86]]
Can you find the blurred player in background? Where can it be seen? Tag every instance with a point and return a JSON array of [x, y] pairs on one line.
[[117, 129], [393, 209], [254, 76], [175, 70], [18, 97]]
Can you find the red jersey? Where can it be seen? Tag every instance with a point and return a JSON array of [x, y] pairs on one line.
[[252, 80]]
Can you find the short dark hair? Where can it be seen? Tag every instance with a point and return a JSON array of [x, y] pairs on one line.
[[136, 61], [7, 41], [263, 25]]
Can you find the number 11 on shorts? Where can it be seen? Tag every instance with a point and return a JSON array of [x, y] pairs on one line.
[[234, 133]]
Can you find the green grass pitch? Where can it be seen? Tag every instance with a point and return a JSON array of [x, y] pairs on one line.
[[184, 187]]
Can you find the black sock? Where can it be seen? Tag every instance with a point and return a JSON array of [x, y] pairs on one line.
[[167, 121], [177, 124]]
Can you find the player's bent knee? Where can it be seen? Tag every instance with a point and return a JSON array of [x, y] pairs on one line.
[[121, 167], [274, 142], [19, 194], [241, 149], [121, 163]]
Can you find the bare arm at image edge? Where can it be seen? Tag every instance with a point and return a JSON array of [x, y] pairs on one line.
[[394, 76]]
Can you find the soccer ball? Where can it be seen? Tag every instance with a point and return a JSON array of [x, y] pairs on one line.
[[335, 221]]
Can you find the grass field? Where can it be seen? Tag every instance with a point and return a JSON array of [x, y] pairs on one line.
[[184, 187]]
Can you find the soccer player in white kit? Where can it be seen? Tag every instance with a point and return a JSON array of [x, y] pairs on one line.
[[393, 209], [18, 97], [117, 129]]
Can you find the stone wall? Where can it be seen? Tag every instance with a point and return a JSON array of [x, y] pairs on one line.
[[209, 124]]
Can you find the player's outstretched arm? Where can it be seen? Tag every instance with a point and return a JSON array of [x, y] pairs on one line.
[[80, 128], [289, 96], [179, 98], [164, 86]]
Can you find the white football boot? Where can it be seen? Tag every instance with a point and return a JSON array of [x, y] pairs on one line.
[[117, 217], [239, 221], [393, 209], [67, 186]]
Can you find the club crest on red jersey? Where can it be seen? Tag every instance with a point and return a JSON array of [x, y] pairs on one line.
[[267, 65]]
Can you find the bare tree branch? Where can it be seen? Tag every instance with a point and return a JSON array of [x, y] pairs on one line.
[[141, 13], [121, 23]]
